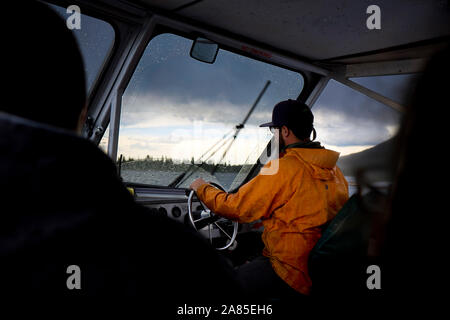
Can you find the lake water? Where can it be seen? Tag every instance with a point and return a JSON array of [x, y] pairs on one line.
[[165, 177]]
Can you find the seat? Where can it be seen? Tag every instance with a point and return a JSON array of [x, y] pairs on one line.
[[338, 262]]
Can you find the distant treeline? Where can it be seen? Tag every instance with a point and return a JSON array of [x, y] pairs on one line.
[[168, 164]]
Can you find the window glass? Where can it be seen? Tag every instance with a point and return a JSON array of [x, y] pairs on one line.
[[396, 87], [358, 127], [176, 108], [95, 39], [103, 145]]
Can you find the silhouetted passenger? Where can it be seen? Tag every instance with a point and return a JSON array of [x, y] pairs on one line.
[[415, 262], [62, 203]]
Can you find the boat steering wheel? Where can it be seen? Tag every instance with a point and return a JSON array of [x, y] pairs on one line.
[[211, 221]]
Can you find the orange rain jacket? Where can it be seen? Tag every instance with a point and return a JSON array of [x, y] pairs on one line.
[[306, 192]]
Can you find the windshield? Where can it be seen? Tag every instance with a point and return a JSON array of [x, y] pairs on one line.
[[180, 113], [361, 129], [95, 38]]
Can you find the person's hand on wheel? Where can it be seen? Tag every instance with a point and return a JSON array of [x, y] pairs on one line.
[[197, 183]]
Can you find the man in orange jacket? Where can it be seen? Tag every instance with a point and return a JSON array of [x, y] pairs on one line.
[[307, 191]]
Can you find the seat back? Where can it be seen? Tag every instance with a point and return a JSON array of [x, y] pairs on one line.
[[338, 262]]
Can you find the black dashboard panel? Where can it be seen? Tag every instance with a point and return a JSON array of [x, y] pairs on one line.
[[170, 202], [175, 211]]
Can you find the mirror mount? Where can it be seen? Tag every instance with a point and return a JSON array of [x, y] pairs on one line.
[[204, 50]]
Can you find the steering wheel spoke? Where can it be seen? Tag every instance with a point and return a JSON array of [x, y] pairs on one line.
[[223, 231], [211, 221]]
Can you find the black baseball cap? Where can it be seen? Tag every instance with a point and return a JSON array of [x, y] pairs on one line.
[[293, 114]]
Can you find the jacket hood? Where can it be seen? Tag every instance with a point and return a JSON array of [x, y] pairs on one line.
[[320, 161]]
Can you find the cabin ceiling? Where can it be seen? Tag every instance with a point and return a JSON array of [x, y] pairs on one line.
[[318, 29]]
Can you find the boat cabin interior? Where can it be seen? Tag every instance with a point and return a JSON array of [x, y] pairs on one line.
[[177, 90]]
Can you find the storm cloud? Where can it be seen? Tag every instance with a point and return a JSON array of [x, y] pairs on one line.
[[168, 72], [346, 117]]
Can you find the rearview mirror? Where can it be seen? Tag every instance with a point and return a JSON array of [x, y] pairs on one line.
[[204, 50]]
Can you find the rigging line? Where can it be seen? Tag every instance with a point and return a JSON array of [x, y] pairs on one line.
[[215, 144], [186, 176], [255, 103], [248, 157], [225, 152], [221, 145], [242, 124], [182, 177]]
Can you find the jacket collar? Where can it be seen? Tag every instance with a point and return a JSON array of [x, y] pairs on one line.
[[308, 145]]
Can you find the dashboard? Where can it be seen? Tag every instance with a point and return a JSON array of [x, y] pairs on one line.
[[171, 203]]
